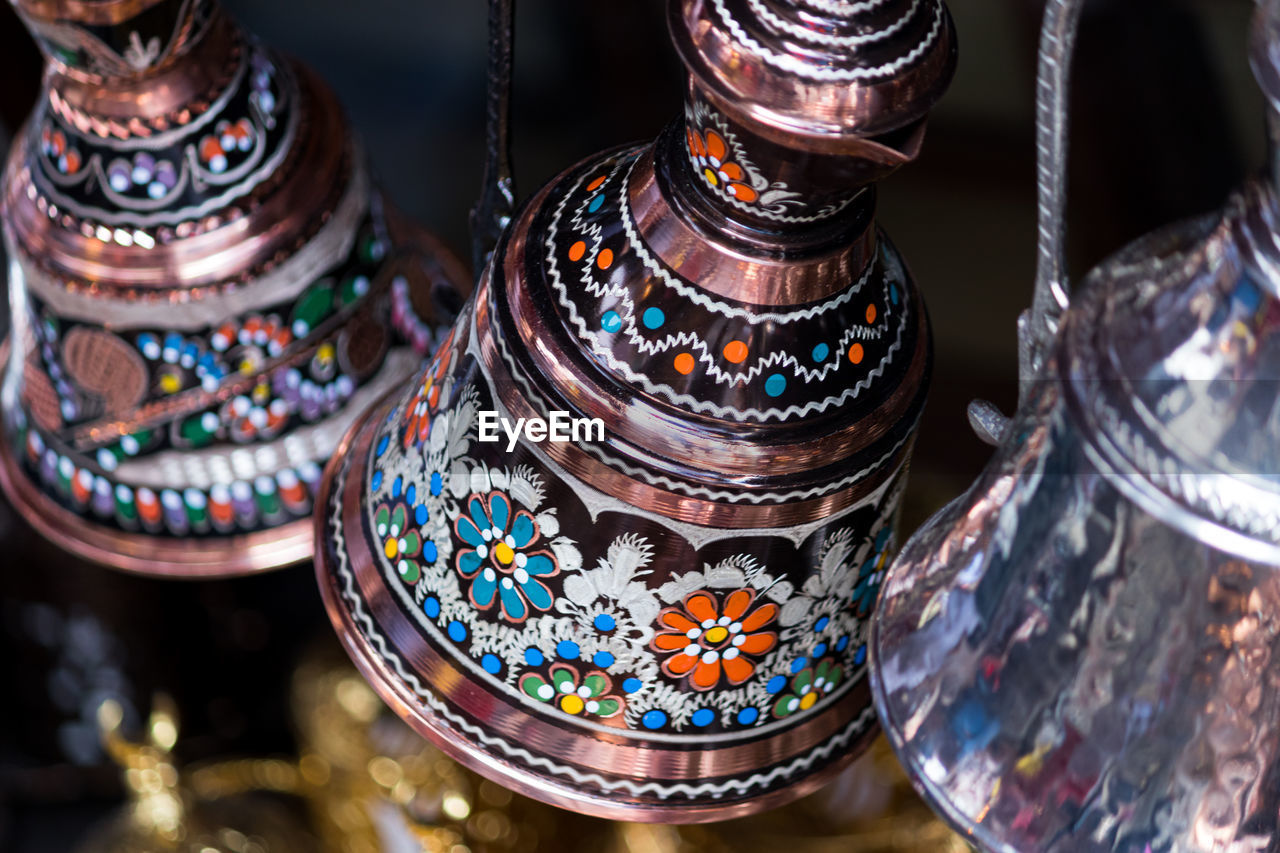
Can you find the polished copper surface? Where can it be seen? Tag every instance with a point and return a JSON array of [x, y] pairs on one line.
[[207, 289], [493, 711], [664, 621]]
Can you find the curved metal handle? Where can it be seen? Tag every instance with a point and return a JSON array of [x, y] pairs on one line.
[[1053, 83], [1038, 325]]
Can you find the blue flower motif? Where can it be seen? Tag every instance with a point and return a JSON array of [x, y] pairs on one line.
[[502, 562]]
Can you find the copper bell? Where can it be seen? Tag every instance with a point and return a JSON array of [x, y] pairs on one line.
[[1077, 654], [206, 290], [662, 617]]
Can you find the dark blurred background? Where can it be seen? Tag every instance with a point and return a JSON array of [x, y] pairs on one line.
[[1166, 121]]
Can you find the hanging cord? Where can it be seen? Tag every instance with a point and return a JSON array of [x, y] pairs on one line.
[[1038, 326], [494, 209]]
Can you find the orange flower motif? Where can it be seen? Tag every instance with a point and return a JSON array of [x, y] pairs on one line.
[[418, 416], [705, 640], [710, 153]]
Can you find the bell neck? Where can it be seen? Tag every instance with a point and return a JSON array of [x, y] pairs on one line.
[[749, 180], [118, 44]]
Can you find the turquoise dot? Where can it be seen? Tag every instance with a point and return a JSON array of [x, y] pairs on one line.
[[819, 650], [776, 683], [775, 385], [420, 514], [568, 650], [533, 657], [431, 607], [799, 664], [595, 203], [703, 717], [611, 322], [820, 352], [429, 552], [860, 655], [376, 482], [842, 643], [382, 446], [821, 623], [436, 483], [631, 685], [604, 660], [653, 318], [457, 631], [654, 719], [893, 293], [747, 716], [491, 664], [604, 622]]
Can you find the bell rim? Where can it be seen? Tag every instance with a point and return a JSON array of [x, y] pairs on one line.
[[147, 555], [392, 690]]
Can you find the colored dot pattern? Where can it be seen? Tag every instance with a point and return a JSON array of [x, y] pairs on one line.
[[604, 260], [653, 318], [855, 353], [775, 385], [611, 321], [577, 250], [684, 364], [735, 351], [871, 313]]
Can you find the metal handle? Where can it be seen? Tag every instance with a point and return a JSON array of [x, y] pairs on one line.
[[1053, 83], [496, 205], [1038, 325]]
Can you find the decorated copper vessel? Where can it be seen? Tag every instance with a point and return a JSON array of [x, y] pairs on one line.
[[206, 290], [1079, 653], [651, 604]]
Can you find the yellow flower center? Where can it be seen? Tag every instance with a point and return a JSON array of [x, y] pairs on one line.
[[807, 700], [391, 549], [572, 704], [504, 553], [711, 177], [717, 634], [170, 383]]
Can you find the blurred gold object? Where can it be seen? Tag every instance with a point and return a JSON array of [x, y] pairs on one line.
[[170, 812], [870, 808], [374, 785]]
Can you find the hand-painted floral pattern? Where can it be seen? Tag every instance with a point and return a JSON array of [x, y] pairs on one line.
[[711, 155], [400, 541], [418, 423], [808, 686], [708, 641], [587, 695], [608, 638], [502, 558]]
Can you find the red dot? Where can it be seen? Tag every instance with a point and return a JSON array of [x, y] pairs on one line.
[[735, 351], [855, 353], [604, 260], [871, 313], [577, 250], [684, 363]]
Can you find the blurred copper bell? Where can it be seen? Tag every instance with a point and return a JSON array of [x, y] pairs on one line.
[[667, 623], [205, 287], [1077, 654]]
